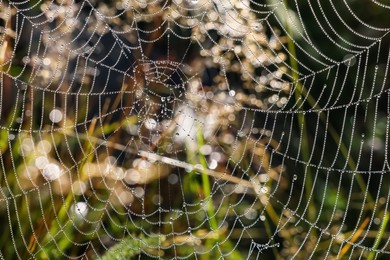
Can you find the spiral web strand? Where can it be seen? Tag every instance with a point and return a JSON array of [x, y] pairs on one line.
[[184, 129]]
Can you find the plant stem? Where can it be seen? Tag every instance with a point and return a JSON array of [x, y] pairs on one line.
[[206, 188], [378, 239], [206, 181], [301, 121], [269, 233], [356, 235]]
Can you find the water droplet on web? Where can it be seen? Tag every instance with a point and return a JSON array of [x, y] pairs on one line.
[[295, 177], [232, 93], [162, 99], [150, 123], [262, 218], [55, 116], [81, 209], [241, 133], [26, 59]]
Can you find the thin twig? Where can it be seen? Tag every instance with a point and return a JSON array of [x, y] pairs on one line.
[[166, 160]]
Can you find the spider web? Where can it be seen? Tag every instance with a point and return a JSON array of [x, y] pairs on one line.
[[194, 129]]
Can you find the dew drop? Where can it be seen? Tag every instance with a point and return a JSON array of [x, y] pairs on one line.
[[150, 123], [81, 209], [55, 116], [26, 59], [241, 133], [295, 177]]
